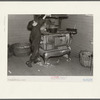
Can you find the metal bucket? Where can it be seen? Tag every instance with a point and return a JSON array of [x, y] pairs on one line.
[[21, 49], [86, 58]]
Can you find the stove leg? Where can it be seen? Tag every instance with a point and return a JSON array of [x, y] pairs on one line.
[[68, 58], [69, 55], [45, 58]]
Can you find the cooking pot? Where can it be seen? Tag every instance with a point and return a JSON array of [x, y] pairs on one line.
[[52, 29]]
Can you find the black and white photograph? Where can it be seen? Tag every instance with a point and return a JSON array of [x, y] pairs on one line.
[[50, 45]]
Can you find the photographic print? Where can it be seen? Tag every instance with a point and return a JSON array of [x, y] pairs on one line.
[[50, 45]]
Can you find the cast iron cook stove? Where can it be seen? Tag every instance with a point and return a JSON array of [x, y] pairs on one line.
[[55, 44]]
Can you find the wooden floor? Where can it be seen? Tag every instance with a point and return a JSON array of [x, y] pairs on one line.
[[61, 67]]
